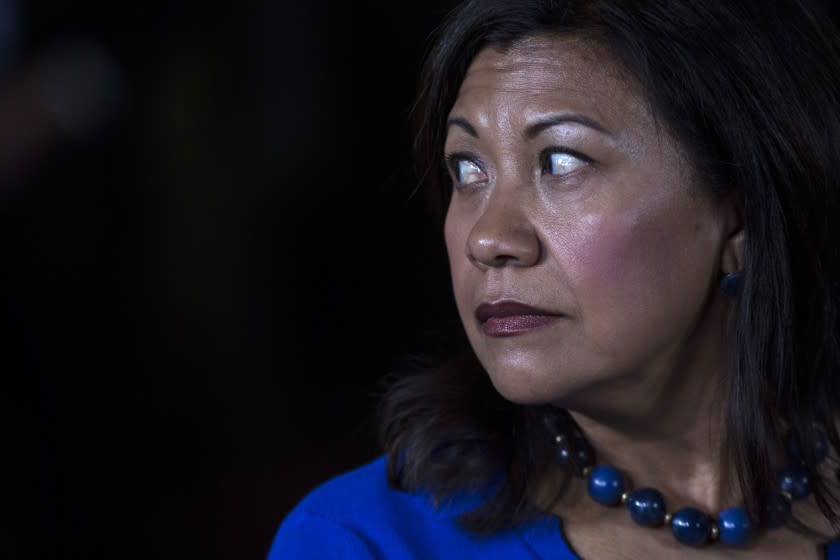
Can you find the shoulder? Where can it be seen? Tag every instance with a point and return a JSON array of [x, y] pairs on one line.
[[362, 496], [358, 516]]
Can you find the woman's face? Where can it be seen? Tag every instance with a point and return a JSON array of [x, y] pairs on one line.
[[570, 200]]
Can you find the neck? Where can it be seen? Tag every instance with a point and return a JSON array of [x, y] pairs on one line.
[[664, 427], [685, 463]]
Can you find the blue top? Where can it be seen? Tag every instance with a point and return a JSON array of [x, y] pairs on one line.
[[357, 516]]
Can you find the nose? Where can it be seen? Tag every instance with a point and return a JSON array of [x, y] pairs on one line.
[[503, 236]]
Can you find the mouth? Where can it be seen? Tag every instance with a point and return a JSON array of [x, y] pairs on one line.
[[511, 318]]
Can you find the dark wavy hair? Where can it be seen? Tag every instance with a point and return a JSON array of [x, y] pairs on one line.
[[751, 93]]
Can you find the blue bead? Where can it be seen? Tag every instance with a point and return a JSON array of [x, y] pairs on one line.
[[584, 455], [734, 526], [820, 446], [795, 481], [606, 485], [731, 284], [691, 526], [575, 452], [563, 455], [646, 507], [776, 511], [557, 422]]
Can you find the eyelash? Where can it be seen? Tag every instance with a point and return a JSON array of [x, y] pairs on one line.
[[452, 160]]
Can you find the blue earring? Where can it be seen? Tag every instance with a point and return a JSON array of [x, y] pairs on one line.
[[731, 284]]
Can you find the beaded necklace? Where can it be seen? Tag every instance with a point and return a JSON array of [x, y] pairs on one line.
[[646, 506]]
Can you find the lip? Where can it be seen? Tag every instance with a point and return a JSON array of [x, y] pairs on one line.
[[511, 318]]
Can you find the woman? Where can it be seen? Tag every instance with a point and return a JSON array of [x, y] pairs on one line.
[[641, 204]]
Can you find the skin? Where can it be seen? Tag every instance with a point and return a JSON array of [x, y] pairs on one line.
[[627, 245]]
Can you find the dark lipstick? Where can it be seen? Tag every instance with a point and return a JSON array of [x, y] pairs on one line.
[[510, 318]]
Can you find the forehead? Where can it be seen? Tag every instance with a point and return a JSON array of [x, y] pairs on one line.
[[546, 74]]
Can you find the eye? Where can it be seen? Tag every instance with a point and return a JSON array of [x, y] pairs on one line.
[[562, 162], [465, 171], [469, 172]]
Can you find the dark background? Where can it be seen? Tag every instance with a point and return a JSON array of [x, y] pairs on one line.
[[211, 255], [207, 270]]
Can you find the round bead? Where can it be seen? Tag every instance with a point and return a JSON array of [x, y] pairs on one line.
[[691, 526], [647, 507], [573, 449], [562, 456], [820, 446], [795, 481], [575, 453], [730, 284], [776, 510], [734, 525], [556, 422], [584, 455], [606, 485]]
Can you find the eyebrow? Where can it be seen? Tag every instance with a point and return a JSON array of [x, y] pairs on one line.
[[536, 128], [464, 124]]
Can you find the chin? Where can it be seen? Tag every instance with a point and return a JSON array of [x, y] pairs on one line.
[[529, 386], [528, 382]]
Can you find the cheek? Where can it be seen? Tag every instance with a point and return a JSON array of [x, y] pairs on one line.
[[631, 273], [455, 234], [612, 254]]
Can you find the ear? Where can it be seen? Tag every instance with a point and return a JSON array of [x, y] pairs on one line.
[[732, 255]]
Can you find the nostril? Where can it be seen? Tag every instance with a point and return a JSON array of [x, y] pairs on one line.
[[502, 260], [496, 242], [494, 256]]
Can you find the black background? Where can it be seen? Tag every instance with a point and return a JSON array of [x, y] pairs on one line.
[[201, 297]]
